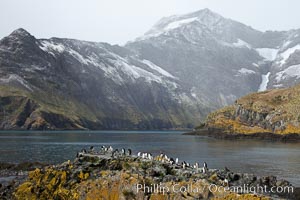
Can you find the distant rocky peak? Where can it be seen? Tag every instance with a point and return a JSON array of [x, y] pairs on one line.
[[205, 14], [19, 39], [21, 33], [204, 17]]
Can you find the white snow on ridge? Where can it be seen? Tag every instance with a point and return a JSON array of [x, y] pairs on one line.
[[78, 56], [267, 53], [246, 71], [241, 43], [115, 67], [176, 24], [286, 44], [286, 54], [14, 77], [49, 47], [94, 60], [193, 92], [122, 65], [170, 25], [292, 71], [264, 82], [157, 68]]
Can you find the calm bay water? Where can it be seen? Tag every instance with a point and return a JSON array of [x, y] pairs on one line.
[[258, 157]]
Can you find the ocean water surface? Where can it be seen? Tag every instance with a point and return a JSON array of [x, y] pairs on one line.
[[251, 156]]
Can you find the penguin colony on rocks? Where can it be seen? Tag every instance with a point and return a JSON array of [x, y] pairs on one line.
[[143, 155]]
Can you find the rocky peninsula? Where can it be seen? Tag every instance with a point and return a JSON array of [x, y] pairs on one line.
[[272, 114], [112, 174]]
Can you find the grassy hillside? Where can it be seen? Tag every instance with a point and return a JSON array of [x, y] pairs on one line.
[[39, 110], [275, 111], [53, 110]]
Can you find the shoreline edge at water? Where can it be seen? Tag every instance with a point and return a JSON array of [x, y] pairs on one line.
[[221, 134]]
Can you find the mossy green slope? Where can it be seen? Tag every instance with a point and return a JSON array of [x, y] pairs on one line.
[[20, 109]]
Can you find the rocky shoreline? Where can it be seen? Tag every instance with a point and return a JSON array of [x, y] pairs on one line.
[[12, 175], [111, 174], [222, 134]]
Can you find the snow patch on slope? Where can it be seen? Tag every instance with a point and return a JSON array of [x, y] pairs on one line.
[[15, 78], [292, 71], [267, 53], [78, 56], [176, 24], [286, 44], [238, 44], [50, 47], [122, 66], [246, 71], [118, 66], [264, 82], [157, 68], [241, 43], [286, 54], [155, 31]]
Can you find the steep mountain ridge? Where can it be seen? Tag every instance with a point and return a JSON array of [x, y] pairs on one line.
[[113, 87], [172, 77]]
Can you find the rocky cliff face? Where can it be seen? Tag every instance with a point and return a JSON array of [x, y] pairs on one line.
[[274, 111]]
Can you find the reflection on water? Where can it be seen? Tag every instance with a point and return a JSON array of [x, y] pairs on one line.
[[259, 157]]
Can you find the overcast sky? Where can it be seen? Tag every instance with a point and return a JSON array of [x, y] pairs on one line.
[[118, 21]]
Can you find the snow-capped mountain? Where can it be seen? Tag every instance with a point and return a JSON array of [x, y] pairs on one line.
[[218, 58], [176, 73]]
